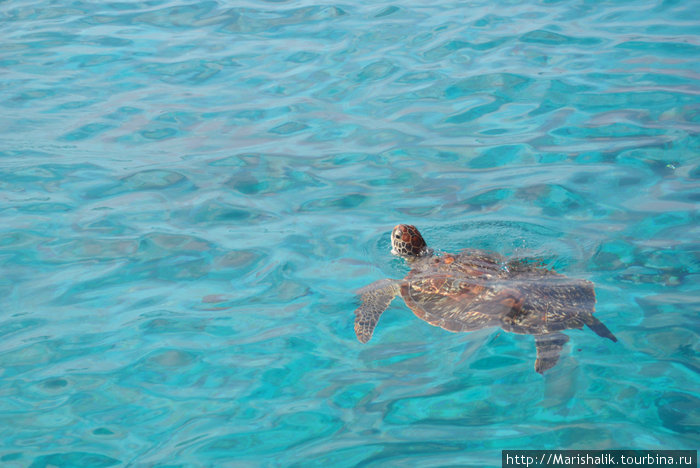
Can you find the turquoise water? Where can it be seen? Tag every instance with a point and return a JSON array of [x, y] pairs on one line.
[[191, 193]]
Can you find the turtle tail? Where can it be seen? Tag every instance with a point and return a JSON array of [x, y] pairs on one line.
[[600, 329]]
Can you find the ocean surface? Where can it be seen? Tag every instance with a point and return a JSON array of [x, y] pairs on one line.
[[192, 192]]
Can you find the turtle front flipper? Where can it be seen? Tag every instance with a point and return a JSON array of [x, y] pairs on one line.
[[375, 299], [548, 350]]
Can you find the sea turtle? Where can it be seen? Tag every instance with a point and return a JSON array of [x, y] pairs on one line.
[[476, 289]]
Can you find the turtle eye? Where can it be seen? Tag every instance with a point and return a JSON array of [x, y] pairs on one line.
[[398, 234]]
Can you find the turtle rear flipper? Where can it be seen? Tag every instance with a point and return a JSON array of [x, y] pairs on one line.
[[375, 299], [548, 350]]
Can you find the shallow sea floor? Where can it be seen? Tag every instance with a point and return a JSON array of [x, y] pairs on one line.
[[192, 192]]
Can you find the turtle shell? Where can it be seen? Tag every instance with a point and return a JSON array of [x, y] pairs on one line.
[[477, 289]]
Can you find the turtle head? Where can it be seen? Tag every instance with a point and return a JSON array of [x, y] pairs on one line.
[[407, 242]]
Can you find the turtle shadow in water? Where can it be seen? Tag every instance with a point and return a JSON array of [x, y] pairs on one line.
[[476, 289]]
